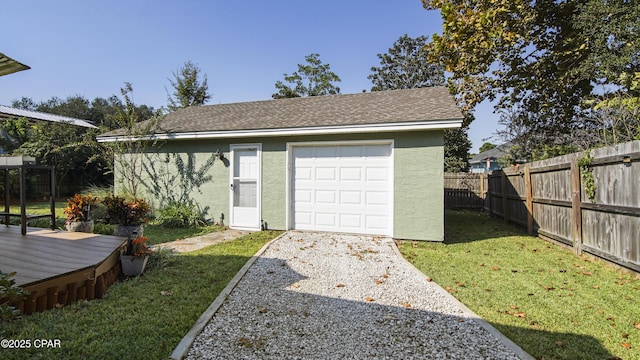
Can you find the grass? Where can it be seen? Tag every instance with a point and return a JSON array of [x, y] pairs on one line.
[[142, 318], [551, 302]]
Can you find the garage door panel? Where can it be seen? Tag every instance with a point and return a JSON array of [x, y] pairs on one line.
[[377, 198], [350, 197], [377, 174], [351, 221], [350, 174], [325, 174], [342, 188], [376, 222], [325, 197], [303, 196], [325, 219], [303, 173], [303, 218]]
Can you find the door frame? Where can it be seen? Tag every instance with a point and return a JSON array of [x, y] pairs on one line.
[[290, 214], [232, 149]]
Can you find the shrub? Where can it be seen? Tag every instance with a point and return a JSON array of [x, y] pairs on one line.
[[102, 228], [99, 210], [122, 211], [79, 207], [180, 215], [137, 247], [9, 292]]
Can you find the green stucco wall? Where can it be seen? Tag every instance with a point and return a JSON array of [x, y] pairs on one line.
[[418, 178], [419, 186]]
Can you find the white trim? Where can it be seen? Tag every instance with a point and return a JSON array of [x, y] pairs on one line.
[[317, 130], [289, 166], [232, 148]]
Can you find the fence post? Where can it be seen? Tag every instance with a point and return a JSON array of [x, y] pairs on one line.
[[576, 210], [489, 190], [505, 200], [529, 194], [483, 195]]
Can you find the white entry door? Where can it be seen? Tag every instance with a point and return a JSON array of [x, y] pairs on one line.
[[343, 188], [245, 186]]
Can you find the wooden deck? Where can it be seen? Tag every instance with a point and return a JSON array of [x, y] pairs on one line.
[[59, 267]]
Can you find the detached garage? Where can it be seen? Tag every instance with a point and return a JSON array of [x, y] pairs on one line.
[[369, 163]]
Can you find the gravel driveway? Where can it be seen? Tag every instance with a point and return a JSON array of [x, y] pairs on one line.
[[336, 296]]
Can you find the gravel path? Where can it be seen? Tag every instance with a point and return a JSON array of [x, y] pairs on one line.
[[335, 296]]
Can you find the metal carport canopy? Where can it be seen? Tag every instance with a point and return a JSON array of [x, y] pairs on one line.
[[9, 65]]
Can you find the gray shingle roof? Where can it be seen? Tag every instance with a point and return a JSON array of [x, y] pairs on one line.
[[497, 152], [383, 107]]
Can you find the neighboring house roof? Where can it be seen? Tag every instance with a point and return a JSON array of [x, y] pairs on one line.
[[496, 153], [9, 112], [409, 109], [9, 66]]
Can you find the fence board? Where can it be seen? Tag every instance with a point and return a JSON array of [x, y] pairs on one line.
[[462, 190], [554, 220]]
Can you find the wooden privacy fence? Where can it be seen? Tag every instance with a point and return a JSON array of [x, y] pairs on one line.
[[549, 197], [462, 190]]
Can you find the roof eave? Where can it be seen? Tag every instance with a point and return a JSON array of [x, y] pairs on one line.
[[316, 130]]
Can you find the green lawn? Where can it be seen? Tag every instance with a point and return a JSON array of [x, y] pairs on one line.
[[143, 318], [551, 302], [36, 208]]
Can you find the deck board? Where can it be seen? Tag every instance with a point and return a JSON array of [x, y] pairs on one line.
[[43, 253]]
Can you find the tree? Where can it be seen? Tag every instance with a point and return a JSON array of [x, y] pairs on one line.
[[99, 111], [103, 111], [406, 66], [73, 106], [128, 154], [78, 159], [189, 90], [18, 131], [540, 59], [72, 150], [487, 146], [313, 79], [456, 150]]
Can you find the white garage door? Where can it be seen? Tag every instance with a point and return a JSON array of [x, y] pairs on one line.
[[343, 188]]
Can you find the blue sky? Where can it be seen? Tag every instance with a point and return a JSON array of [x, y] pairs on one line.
[[91, 48]]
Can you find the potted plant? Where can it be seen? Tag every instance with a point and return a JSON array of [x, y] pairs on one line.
[[134, 255], [128, 215], [78, 210]]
